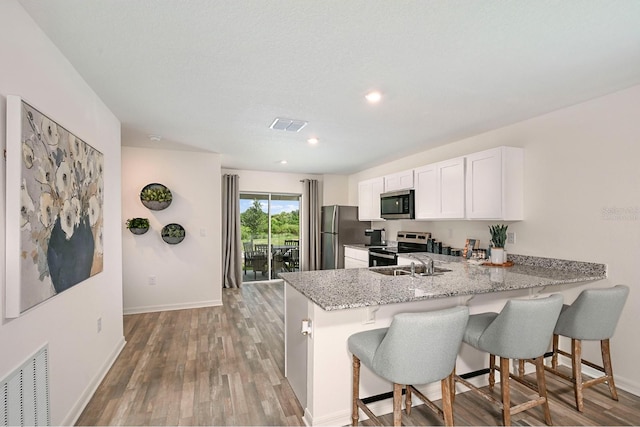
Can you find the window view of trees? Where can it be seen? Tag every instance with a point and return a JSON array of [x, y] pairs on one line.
[[255, 225]]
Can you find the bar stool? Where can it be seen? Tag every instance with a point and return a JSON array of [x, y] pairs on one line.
[[593, 316], [418, 348], [522, 330]]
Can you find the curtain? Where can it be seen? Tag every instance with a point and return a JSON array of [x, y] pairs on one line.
[[231, 237], [310, 250]]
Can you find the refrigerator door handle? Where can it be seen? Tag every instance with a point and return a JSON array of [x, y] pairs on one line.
[[334, 221]]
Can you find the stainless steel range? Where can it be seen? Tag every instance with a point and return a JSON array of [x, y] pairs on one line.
[[408, 241]]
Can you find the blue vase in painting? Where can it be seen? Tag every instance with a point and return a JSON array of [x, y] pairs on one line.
[[70, 260]]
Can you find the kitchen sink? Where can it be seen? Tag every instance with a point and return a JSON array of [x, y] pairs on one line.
[[398, 270]]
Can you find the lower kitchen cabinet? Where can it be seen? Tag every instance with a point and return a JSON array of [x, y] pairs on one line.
[[356, 258]]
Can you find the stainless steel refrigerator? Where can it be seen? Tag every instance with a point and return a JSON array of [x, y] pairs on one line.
[[340, 226]]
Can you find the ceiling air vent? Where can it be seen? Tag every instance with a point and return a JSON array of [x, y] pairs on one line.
[[288, 125]]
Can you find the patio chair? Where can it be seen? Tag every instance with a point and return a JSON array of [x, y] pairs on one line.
[[292, 242], [248, 250]]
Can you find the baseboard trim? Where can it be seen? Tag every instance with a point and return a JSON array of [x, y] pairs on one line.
[[85, 397], [171, 307]]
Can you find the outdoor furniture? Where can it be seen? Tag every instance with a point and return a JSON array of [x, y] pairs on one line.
[[292, 259], [247, 249], [277, 262], [291, 242]]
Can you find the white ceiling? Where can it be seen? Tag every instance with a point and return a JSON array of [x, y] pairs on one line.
[[212, 75]]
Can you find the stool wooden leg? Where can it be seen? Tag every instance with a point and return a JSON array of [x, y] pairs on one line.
[[521, 368], [453, 386], [554, 358], [407, 400], [608, 369], [397, 404], [506, 392], [576, 368], [542, 388], [492, 371], [356, 391], [447, 401]]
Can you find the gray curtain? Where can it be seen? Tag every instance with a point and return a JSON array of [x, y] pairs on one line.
[[310, 253], [231, 237]]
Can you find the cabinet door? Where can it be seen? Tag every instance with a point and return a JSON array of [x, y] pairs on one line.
[[495, 184], [440, 190], [426, 192], [451, 184], [484, 185], [369, 199], [398, 181]]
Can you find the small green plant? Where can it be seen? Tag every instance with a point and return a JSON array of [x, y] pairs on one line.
[[498, 235], [173, 230], [156, 194], [137, 223]]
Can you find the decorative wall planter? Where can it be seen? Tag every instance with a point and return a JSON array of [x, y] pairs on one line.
[[173, 233], [156, 196], [138, 225]]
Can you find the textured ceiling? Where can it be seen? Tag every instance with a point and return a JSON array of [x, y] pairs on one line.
[[212, 75]]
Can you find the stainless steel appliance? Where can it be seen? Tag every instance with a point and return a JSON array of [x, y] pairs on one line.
[[408, 241], [375, 236], [340, 226], [397, 205]]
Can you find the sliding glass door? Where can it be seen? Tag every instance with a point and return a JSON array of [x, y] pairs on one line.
[[270, 234]]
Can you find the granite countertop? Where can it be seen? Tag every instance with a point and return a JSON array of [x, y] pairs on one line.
[[361, 287]]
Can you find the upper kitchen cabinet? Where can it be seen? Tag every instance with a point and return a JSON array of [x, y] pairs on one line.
[[398, 181], [369, 199], [495, 184], [440, 190]]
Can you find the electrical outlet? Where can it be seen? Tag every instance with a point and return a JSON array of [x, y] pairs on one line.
[[99, 324], [511, 237], [152, 280]]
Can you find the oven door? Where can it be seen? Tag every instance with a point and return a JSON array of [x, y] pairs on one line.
[[380, 258]]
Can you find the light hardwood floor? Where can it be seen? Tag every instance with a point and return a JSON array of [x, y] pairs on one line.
[[225, 366]]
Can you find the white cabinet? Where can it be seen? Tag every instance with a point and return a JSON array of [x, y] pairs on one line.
[[495, 184], [356, 258], [440, 190], [369, 199], [398, 181]]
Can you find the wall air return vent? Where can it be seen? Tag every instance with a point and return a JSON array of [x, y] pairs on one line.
[[288, 125]]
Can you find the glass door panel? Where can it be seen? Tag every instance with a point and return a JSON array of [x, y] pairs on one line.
[[270, 225]]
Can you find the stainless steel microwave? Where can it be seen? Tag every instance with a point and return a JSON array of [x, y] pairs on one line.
[[397, 205]]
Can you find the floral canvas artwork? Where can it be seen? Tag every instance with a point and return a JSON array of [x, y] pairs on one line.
[[61, 218]]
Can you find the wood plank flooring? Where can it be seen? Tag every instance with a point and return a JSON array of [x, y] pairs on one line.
[[225, 366]]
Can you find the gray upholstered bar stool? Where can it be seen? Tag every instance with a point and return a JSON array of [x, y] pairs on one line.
[[522, 330], [593, 316], [418, 348]]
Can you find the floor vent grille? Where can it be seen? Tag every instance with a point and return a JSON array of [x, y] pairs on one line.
[[25, 393]]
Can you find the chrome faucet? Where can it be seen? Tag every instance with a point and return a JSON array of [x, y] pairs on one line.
[[428, 266]]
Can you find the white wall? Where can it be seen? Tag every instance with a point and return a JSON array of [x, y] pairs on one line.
[[33, 68], [581, 164], [333, 188], [188, 274]]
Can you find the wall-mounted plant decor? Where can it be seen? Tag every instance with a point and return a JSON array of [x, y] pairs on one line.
[[138, 225], [156, 196], [173, 233], [54, 208]]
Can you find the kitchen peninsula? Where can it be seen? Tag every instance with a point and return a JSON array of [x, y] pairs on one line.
[[337, 303]]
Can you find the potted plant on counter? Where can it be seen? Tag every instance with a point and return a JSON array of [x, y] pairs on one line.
[[138, 225], [498, 240]]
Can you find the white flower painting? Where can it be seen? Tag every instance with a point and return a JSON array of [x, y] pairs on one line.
[[61, 216]]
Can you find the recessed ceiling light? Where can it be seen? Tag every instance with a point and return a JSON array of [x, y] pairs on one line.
[[155, 138], [283, 162], [313, 141], [373, 97]]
